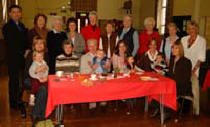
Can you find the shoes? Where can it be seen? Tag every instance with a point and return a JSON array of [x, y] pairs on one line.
[[103, 109], [92, 112], [34, 121], [155, 113], [22, 110], [167, 116]]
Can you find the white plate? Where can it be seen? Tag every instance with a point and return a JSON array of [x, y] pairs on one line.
[[139, 73], [93, 79]]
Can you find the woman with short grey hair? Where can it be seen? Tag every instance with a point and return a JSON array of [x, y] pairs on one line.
[[88, 57], [55, 39], [91, 31], [147, 35]]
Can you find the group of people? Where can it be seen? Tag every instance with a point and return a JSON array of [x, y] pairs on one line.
[[35, 53]]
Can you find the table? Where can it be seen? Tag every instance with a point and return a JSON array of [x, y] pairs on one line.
[[67, 90], [207, 81]]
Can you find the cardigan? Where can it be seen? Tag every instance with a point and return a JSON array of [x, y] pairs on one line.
[[54, 45], [88, 33], [144, 39], [108, 44], [145, 62], [181, 73], [79, 44]]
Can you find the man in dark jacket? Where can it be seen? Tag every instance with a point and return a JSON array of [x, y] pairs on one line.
[[15, 35]]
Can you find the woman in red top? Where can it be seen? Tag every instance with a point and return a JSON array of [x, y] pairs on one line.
[[91, 31], [148, 34]]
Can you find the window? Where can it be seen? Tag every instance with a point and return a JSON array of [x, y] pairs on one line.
[[161, 15], [83, 5], [4, 10]]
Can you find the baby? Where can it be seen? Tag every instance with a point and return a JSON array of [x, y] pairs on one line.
[[101, 63], [38, 70], [159, 64]]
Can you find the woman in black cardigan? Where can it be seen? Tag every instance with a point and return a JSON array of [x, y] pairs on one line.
[[55, 39], [180, 70]]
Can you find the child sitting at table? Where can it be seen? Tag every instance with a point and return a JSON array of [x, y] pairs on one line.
[[131, 65], [67, 62], [38, 71], [101, 63], [159, 64]]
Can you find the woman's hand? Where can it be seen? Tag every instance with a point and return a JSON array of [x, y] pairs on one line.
[[41, 69], [38, 70], [43, 79], [26, 53], [194, 70]]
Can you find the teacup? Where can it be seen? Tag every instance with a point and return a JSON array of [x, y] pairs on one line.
[[59, 73], [93, 76]]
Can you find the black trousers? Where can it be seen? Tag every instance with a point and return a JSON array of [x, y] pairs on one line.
[[39, 108], [15, 89]]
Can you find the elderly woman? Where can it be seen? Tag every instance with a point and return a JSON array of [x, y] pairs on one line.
[[148, 58], [39, 28], [85, 66], [195, 50], [108, 40], [120, 56], [147, 35], [75, 37], [168, 42], [55, 39], [92, 31], [86, 63], [130, 35]]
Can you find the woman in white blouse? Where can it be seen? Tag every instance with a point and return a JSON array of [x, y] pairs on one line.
[[195, 50]]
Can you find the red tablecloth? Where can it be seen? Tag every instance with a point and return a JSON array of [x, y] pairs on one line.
[[66, 92], [207, 81]]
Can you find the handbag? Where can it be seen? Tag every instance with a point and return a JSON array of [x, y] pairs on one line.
[[45, 123]]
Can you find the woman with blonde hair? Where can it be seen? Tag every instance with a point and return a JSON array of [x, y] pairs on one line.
[[179, 64], [195, 50], [167, 42]]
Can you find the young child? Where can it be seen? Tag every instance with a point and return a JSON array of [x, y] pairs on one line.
[[39, 68], [101, 63], [159, 64], [39, 71], [131, 65], [67, 62]]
